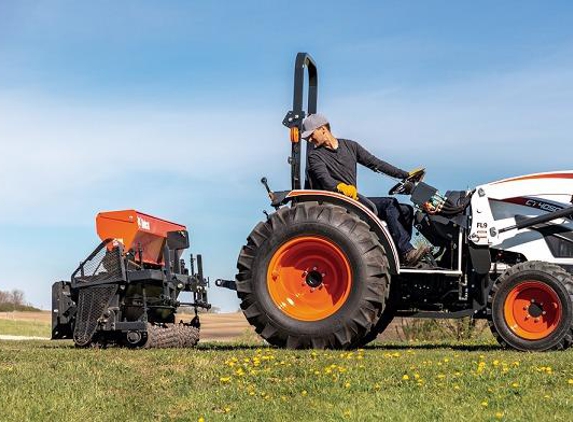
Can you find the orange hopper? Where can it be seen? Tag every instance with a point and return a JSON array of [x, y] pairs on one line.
[[137, 230]]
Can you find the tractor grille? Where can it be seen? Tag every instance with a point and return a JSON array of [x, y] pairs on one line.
[[92, 302], [103, 265]]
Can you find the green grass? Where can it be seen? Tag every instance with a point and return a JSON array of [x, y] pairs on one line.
[[43, 381], [25, 328]]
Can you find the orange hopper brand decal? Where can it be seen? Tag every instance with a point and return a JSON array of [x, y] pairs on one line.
[[143, 224]]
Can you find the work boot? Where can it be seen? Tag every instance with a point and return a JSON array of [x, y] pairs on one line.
[[413, 256]]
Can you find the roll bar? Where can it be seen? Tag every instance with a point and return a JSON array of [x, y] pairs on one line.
[[295, 117]]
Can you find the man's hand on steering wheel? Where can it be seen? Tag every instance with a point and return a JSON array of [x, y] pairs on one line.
[[405, 186]]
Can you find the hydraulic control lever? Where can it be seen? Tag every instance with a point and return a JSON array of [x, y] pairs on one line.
[[269, 191]]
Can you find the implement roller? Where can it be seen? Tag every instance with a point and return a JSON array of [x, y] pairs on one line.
[[126, 292]]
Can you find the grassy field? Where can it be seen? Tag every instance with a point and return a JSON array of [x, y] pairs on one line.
[[25, 328], [42, 381]]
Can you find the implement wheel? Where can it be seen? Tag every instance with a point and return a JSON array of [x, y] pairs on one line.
[[313, 275], [530, 307]]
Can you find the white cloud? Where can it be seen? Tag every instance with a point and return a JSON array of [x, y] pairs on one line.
[[53, 154], [470, 131], [57, 156]]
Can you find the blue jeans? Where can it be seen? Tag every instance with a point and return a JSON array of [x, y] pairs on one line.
[[398, 217]]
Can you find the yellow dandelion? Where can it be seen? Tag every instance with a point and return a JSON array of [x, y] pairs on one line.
[[405, 377], [515, 385], [227, 409], [570, 381], [304, 392], [417, 376], [484, 404], [499, 415], [347, 385], [495, 362], [441, 376], [201, 419], [225, 379]]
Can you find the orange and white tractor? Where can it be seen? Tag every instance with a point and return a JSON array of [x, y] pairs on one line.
[[322, 270]]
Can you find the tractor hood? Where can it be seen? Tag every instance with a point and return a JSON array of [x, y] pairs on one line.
[[554, 187]]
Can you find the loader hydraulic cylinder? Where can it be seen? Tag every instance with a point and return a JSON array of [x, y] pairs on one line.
[[545, 218]]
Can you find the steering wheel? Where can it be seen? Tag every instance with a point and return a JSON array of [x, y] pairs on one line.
[[405, 186]]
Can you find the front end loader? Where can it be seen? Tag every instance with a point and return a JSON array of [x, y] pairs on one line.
[[126, 292]]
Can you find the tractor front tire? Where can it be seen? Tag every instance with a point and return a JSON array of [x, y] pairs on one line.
[[313, 276], [530, 307]]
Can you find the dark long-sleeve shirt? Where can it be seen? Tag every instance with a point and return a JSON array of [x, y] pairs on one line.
[[327, 168]]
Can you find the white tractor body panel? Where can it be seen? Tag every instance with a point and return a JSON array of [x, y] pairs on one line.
[[500, 204]]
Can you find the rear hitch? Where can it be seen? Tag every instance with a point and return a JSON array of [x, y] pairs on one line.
[[227, 284]]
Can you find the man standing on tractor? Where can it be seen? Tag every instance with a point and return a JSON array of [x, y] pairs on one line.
[[332, 166]]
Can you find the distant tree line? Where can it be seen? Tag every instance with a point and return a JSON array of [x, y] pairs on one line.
[[14, 300]]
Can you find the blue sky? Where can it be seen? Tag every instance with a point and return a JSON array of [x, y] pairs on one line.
[[175, 109]]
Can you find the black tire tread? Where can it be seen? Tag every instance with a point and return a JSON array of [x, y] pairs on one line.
[[167, 336]]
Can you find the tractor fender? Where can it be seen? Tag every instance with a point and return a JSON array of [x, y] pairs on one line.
[[377, 226]]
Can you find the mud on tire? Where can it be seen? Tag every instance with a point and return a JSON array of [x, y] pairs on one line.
[[530, 307], [277, 278]]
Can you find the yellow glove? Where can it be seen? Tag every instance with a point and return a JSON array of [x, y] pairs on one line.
[[417, 172], [348, 190]]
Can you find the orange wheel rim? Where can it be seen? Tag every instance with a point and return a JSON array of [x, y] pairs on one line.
[[532, 310], [309, 278]]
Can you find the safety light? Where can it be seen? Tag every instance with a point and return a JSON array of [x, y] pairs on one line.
[[294, 135]]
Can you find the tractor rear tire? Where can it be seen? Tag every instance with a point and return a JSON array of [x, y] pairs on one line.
[[385, 320], [530, 307], [313, 276]]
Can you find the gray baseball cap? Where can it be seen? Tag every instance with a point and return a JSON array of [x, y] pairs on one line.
[[311, 123]]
